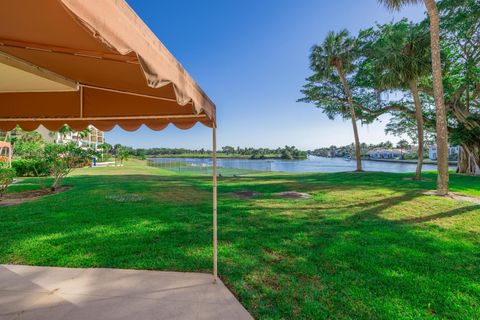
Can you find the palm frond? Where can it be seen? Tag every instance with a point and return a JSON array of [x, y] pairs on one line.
[[397, 4]]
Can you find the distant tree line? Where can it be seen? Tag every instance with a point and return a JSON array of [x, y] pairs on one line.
[[287, 152]]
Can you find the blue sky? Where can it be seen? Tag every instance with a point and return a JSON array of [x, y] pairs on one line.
[[251, 58]]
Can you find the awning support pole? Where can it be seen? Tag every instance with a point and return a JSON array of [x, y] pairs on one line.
[[214, 172]]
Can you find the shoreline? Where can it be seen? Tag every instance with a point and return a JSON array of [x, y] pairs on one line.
[[272, 157]]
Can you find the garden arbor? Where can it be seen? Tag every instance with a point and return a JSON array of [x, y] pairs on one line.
[[83, 63]]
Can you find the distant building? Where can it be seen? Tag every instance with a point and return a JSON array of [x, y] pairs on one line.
[[92, 139], [453, 152], [385, 153], [6, 153]]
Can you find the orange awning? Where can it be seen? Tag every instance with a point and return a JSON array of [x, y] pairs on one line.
[[80, 62]]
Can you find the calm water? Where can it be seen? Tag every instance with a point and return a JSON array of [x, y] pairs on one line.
[[312, 164]]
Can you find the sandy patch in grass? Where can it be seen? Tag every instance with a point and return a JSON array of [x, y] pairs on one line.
[[129, 197], [414, 179], [454, 196], [292, 195], [245, 194]]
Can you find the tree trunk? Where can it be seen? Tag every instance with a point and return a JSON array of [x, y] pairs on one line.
[[419, 118], [469, 160], [442, 134], [476, 161], [348, 93], [463, 163], [56, 180]]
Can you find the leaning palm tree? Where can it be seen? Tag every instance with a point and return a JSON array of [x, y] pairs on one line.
[[334, 59], [401, 57], [81, 135], [442, 133]]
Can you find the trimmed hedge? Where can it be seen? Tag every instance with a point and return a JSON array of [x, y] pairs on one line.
[[27, 167]]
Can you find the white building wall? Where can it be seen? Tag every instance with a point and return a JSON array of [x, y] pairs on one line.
[[92, 140], [46, 134], [452, 150]]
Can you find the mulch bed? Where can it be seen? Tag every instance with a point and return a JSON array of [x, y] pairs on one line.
[[292, 195], [11, 199]]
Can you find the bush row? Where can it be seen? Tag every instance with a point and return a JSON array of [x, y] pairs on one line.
[[30, 167]]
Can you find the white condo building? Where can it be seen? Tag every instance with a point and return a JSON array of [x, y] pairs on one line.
[[432, 151], [92, 139]]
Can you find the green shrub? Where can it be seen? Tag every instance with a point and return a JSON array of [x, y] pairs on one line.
[[61, 159], [30, 167], [6, 178]]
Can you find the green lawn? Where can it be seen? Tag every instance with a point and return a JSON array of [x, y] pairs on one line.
[[365, 246]]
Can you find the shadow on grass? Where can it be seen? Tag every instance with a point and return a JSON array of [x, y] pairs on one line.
[[441, 215], [359, 266]]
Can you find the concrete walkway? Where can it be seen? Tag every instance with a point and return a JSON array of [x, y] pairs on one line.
[[64, 293]]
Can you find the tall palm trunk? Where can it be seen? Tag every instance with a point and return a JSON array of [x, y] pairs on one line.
[[348, 93], [442, 133], [419, 118]]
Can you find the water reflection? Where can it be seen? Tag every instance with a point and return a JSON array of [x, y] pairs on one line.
[[312, 164]]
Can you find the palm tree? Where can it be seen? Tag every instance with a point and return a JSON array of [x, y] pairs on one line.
[[105, 147], [116, 151], [334, 58], [401, 56], [81, 135], [64, 131], [442, 133], [403, 145], [123, 155]]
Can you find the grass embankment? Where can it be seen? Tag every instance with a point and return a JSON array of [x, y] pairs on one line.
[[365, 246]]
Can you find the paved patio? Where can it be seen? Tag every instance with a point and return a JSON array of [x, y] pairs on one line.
[[67, 293]]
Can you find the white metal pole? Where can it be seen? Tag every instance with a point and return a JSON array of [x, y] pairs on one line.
[[214, 158]]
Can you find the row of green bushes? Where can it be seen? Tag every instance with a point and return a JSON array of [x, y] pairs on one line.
[[33, 157], [30, 168], [36, 159]]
